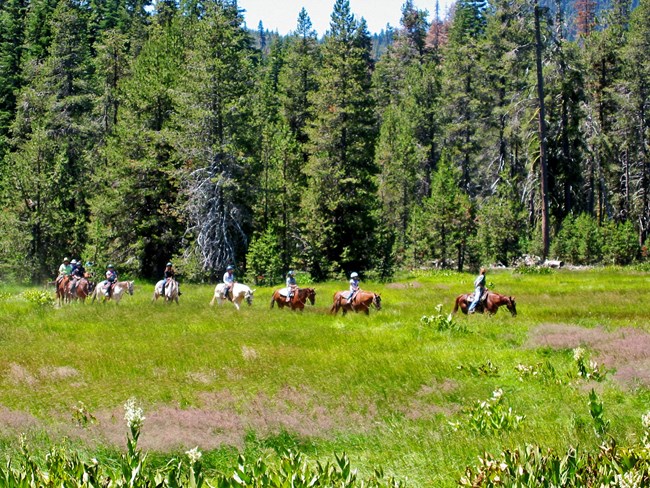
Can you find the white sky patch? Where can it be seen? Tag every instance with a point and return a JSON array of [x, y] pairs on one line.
[[282, 15]]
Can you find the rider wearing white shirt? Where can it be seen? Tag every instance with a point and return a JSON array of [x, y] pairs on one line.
[[229, 280], [354, 286]]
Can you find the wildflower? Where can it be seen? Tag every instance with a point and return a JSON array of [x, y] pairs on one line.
[[194, 455], [496, 394], [578, 354], [645, 420], [133, 415]]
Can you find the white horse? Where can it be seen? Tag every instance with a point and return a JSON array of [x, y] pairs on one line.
[[239, 293], [118, 290], [171, 291]]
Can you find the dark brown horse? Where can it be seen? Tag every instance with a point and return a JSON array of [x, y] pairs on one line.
[[361, 302], [297, 302], [490, 305]]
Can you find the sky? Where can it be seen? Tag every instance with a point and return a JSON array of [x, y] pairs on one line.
[[282, 15]]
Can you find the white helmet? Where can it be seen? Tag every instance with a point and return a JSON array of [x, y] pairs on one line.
[[74, 261], [354, 275]]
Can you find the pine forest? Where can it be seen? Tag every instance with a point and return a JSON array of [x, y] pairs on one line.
[[134, 133]]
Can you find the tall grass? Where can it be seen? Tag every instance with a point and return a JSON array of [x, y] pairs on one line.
[[384, 388]]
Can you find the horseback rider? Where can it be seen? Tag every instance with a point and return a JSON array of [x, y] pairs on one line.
[[229, 280], [479, 289], [111, 279], [292, 286], [64, 270], [354, 286], [77, 273], [169, 275]]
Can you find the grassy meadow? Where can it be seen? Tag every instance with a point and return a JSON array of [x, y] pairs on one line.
[[386, 389]]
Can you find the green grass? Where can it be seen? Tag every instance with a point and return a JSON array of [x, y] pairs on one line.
[[382, 388]]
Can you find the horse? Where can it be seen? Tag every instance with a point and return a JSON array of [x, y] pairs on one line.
[[490, 305], [171, 291], [118, 290], [83, 289], [239, 293], [62, 290], [361, 302], [298, 300]]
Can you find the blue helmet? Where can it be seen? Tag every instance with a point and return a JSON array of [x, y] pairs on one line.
[[291, 272], [169, 264], [110, 266], [230, 268]]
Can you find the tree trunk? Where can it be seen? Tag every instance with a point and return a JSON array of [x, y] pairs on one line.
[[542, 135]]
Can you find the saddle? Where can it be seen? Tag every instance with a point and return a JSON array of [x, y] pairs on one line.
[[483, 299]]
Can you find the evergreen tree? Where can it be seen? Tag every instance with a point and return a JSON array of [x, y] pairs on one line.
[[52, 134], [139, 159], [215, 137], [12, 20], [340, 202]]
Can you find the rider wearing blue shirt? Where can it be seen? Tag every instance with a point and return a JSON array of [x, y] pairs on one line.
[[354, 286], [292, 286], [479, 288]]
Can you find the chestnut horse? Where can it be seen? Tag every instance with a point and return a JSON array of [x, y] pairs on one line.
[[490, 305], [62, 290], [82, 291], [298, 300], [361, 302]]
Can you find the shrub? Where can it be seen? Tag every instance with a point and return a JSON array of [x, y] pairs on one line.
[[442, 322], [491, 415], [264, 261], [531, 466], [621, 243], [38, 297], [485, 369]]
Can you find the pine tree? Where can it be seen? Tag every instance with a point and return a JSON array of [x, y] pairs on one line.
[[139, 159], [12, 20], [52, 135], [340, 202], [216, 139]]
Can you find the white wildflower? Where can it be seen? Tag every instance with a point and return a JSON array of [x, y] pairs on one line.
[[194, 455], [578, 354], [133, 415], [645, 420], [631, 479], [496, 394]]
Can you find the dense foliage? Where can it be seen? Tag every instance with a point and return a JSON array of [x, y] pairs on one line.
[[132, 133]]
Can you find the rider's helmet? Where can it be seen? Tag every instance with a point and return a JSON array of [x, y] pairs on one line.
[[169, 264], [74, 261], [66, 260], [291, 272], [110, 266], [230, 268], [354, 275]]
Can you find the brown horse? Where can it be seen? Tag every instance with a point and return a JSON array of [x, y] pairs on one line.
[[62, 290], [298, 300], [361, 302], [490, 305], [82, 291]]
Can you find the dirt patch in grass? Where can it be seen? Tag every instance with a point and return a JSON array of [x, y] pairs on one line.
[[220, 419], [18, 375], [404, 286], [627, 350], [58, 373], [13, 422]]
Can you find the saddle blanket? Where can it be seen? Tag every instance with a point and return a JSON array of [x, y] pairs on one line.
[[284, 292]]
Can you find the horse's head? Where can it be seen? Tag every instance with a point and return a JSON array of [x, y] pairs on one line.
[[249, 296], [376, 301], [129, 287], [512, 306], [311, 295]]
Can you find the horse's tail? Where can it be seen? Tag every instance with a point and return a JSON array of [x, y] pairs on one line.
[[336, 305], [273, 300], [458, 298]]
